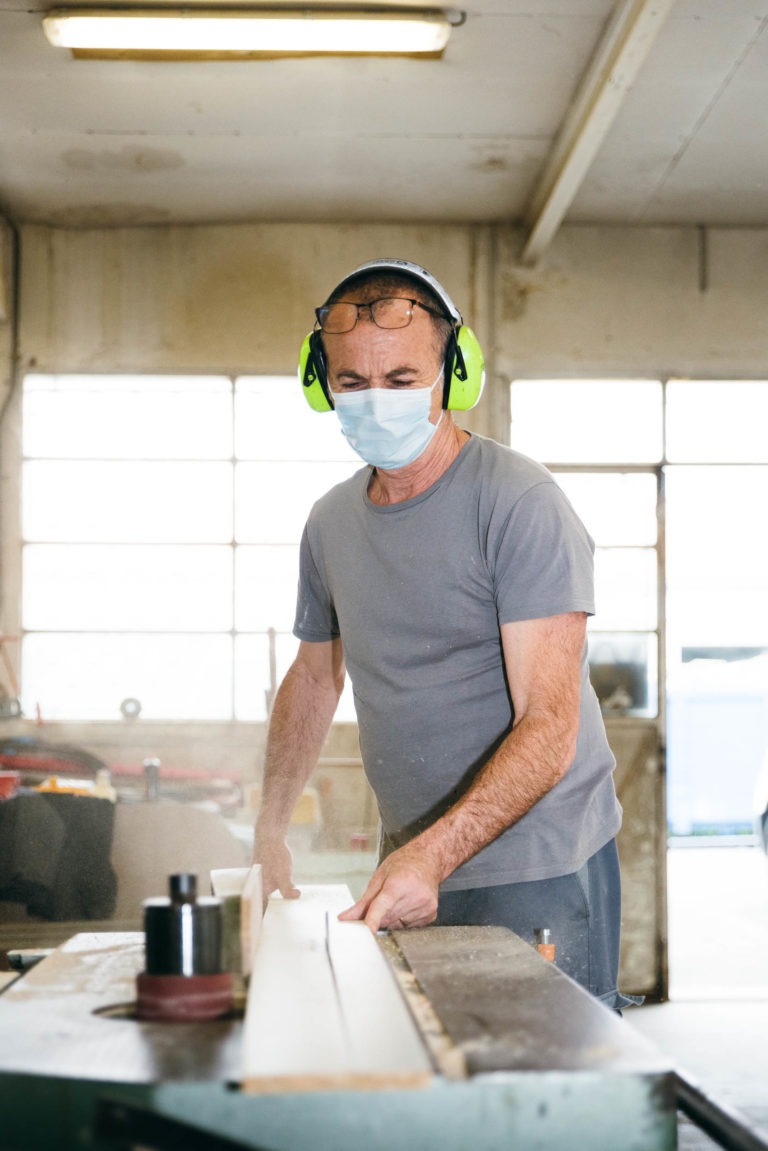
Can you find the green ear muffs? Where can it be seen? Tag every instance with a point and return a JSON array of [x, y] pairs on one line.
[[464, 371], [464, 363], [313, 374]]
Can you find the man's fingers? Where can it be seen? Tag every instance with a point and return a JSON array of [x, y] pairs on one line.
[[275, 860], [356, 911], [382, 912], [373, 907], [395, 898]]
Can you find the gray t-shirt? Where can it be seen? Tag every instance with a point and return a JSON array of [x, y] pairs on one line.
[[417, 591]]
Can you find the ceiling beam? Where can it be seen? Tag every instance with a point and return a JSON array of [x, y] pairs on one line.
[[623, 49]]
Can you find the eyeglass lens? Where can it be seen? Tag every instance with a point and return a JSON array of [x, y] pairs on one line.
[[388, 312]]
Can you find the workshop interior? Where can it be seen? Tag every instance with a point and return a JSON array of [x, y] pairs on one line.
[[589, 179]]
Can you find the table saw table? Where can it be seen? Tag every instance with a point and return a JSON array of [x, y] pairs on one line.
[[453, 1038]]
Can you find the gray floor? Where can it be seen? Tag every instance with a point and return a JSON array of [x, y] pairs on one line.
[[715, 1026]]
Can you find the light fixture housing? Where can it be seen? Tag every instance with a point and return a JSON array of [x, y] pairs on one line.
[[248, 32]]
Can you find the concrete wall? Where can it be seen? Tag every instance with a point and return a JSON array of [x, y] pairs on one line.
[[641, 301], [8, 478], [7, 309], [224, 298], [636, 301]]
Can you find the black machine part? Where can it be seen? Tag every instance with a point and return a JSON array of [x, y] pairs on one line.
[[183, 933]]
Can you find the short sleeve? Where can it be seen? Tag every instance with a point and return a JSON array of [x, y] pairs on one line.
[[315, 619], [541, 557]]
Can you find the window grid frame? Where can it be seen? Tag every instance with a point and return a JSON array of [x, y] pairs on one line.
[[272, 635]]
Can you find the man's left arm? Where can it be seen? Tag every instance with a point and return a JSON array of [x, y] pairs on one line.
[[543, 660]]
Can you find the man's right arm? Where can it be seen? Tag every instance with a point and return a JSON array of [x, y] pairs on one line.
[[301, 716]]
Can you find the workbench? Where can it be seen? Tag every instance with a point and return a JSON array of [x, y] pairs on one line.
[[457, 1038]]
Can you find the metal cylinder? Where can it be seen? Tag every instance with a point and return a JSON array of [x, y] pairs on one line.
[[151, 779], [183, 934], [183, 888], [544, 944]]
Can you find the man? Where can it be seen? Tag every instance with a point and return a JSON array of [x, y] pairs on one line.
[[453, 580]]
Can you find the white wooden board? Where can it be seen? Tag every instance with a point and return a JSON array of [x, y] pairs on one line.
[[324, 1010]]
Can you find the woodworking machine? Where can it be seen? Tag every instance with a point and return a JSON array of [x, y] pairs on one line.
[[452, 1038]]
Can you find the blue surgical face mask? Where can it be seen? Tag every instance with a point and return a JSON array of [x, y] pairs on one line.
[[387, 427]]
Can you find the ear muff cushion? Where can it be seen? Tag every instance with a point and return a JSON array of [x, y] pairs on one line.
[[313, 375], [465, 371]]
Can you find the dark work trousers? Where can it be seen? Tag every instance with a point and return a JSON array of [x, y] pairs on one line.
[[582, 911]]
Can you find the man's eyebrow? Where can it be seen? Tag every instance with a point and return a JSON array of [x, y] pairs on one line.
[[392, 374], [349, 373], [403, 370]]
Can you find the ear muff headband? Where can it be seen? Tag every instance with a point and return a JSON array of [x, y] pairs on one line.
[[464, 362]]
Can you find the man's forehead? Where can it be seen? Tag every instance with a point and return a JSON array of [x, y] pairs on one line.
[[393, 350]]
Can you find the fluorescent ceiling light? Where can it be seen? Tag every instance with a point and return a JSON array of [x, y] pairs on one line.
[[250, 31]]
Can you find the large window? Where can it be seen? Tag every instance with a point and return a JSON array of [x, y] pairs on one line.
[[161, 517], [603, 438], [717, 596], [700, 447]]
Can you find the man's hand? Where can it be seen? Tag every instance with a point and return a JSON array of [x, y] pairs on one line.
[[402, 892], [276, 867]]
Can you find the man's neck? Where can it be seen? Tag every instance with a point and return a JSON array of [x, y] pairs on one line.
[[392, 487]]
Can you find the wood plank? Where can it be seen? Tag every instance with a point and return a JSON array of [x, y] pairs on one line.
[[47, 934], [293, 1037], [380, 1030], [306, 1016], [251, 916], [240, 891]]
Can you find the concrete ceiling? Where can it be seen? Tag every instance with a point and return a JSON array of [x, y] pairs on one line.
[[540, 111]]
